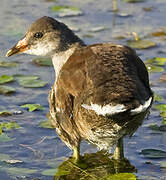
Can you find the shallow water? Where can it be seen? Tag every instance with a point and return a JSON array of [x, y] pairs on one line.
[[34, 146]]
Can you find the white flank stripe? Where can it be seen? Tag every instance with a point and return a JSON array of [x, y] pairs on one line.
[[105, 110], [111, 110], [143, 107]]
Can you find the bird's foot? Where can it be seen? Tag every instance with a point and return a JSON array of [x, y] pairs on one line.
[[76, 155]]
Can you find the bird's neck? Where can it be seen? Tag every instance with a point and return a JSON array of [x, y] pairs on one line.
[[60, 58]]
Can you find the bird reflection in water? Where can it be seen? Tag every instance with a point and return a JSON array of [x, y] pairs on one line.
[[95, 166]]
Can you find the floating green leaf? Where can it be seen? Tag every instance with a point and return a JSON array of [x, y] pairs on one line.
[[45, 124], [9, 125], [63, 11], [5, 138], [154, 68], [161, 107], [60, 8], [6, 90], [32, 107], [8, 64], [121, 176], [6, 158], [6, 79], [141, 44], [158, 98], [18, 171], [5, 113], [32, 83], [43, 61], [49, 172], [163, 114], [26, 77], [153, 153], [154, 64], [159, 61], [154, 127]]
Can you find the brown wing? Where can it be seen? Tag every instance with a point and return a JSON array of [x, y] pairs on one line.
[[117, 75], [106, 73], [61, 111], [69, 85], [100, 74]]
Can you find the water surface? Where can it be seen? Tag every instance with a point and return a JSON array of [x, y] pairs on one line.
[[34, 146]]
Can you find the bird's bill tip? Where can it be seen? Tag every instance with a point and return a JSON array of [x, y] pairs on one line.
[[12, 51], [20, 47]]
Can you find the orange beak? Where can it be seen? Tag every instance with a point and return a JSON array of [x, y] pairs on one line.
[[20, 47]]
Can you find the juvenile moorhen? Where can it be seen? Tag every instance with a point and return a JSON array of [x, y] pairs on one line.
[[101, 91]]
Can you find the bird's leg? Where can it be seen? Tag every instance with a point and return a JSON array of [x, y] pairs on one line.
[[76, 153], [118, 153]]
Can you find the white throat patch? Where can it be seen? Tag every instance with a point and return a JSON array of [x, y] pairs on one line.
[[60, 59], [39, 49]]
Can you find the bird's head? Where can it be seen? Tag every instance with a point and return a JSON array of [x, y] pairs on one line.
[[45, 37]]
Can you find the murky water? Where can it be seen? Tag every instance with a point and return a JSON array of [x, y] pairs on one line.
[[39, 148]]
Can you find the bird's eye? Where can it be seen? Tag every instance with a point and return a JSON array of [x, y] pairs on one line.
[[38, 35]]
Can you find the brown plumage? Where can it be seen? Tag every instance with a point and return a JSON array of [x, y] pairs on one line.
[[101, 92], [102, 74]]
